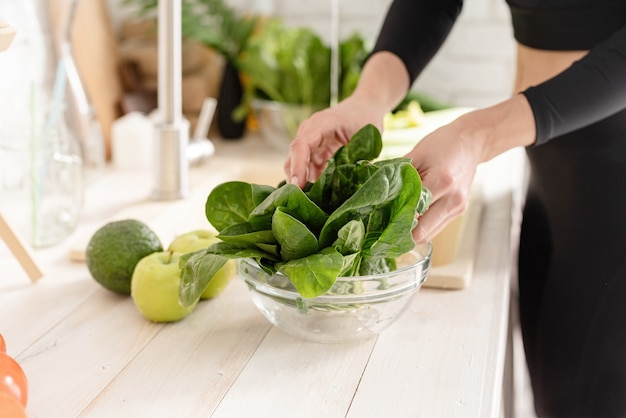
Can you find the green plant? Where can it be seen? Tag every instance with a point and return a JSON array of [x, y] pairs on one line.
[[211, 22], [292, 65], [355, 219]]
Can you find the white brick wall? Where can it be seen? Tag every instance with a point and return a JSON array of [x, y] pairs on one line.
[[474, 67]]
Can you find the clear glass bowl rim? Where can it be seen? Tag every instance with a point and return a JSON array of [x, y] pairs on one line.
[[424, 252]]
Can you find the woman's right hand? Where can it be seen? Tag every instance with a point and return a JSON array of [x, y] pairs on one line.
[[323, 133], [383, 83]]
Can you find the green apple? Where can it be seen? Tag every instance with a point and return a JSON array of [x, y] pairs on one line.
[[154, 287], [197, 240], [193, 241]]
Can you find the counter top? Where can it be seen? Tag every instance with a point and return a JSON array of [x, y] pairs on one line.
[[88, 352]]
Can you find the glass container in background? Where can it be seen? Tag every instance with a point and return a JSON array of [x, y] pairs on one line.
[[41, 164], [81, 113]]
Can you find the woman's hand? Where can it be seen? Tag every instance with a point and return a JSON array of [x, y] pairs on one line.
[[447, 158], [447, 164], [383, 83], [323, 133]]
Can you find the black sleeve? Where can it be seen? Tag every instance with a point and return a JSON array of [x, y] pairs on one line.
[[592, 89], [414, 30]]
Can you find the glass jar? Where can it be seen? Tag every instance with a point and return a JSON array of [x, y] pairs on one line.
[[41, 181], [41, 164]]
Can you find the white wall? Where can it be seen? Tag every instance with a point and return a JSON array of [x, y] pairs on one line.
[[474, 67]]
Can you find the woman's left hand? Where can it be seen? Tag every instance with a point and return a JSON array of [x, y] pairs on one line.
[[446, 162], [447, 158]]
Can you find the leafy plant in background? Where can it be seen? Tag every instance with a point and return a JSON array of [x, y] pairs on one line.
[[224, 29], [354, 220], [211, 22], [292, 65]]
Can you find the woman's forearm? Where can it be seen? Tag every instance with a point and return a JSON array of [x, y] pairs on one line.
[[383, 83], [499, 128]]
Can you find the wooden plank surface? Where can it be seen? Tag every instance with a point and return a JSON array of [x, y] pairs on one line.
[[202, 356], [457, 273], [290, 377]]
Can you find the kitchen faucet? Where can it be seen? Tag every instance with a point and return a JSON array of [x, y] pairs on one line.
[[171, 164]]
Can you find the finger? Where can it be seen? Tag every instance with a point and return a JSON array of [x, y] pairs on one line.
[[432, 222], [439, 184], [298, 161], [287, 167]]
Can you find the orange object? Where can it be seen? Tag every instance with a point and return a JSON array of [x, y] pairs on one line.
[[3, 345], [13, 379], [10, 407]]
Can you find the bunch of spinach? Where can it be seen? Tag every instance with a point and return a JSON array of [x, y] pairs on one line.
[[354, 220], [293, 65]]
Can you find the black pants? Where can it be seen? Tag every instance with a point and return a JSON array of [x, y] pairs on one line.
[[572, 273]]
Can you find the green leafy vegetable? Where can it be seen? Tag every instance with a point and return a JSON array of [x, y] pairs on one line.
[[293, 199], [292, 65], [224, 211], [354, 220], [214, 23], [315, 273], [295, 239]]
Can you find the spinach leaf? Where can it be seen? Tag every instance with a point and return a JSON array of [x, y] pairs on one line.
[[426, 198], [350, 240], [348, 179], [350, 237], [315, 274], [198, 268], [320, 191], [243, 235], [366, 145], [230, 203], [349, 168], [376, 265], [395, 239], [244, 232], [294, 200], [295, 239], [380, 189]]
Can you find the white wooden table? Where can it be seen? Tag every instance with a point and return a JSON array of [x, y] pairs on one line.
[[89, 353]]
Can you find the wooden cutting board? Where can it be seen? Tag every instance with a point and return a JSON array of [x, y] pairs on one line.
[[455, 272], [95, 52]]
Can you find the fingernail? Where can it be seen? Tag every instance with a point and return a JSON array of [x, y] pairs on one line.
[[294, 180]]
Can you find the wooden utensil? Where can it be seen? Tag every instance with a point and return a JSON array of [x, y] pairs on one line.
[[97, 66], [20, 250], [7, 33]]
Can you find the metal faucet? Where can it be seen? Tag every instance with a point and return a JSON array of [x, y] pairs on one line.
[[171, 163]]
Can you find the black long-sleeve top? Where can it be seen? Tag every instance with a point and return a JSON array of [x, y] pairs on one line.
[[592, 89]]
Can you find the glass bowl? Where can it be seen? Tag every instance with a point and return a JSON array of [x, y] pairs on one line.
[[278, 122], [355, 308]]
